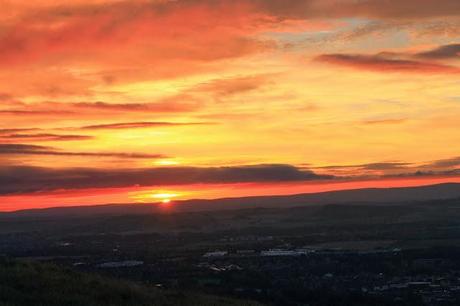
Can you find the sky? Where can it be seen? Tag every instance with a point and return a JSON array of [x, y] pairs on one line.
[[107, 101]]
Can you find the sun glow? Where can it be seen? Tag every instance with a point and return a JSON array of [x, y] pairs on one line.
[[167, 162], [162, 196], [165, 197]]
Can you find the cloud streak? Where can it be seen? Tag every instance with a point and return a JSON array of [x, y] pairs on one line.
[[385, 63], [160, 107], [19, 130], [23, 149], [42, 137], [447, 166], [136, 125], [35, 112], [443, 52], [393, 9], [18, 179], [384, 121]]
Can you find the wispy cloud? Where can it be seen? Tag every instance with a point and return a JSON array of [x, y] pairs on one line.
[[384, 121], [160, 107], [447, 166], [420, 62], [25, 149], [134, 125], [48, 112], [386, 63], [444, 163], [232, 86], [42, 137], [19, 130]]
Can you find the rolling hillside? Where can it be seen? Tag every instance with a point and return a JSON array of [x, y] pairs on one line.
[[27, 283]]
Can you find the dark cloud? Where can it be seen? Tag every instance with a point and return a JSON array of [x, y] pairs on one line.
[[132, 125], [443, 163], [381, 166], [167, 105], [43, 137], [425, 173], [442, 52], [19, 179], [389, 9], [18, 134], [386, 62], [36, 112], [399, 61], [385, 166], [448, 166], [392, 9], [23, 149], [161, 107], [9, 131]]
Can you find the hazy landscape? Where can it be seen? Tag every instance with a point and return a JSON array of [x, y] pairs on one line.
[[361, 246]]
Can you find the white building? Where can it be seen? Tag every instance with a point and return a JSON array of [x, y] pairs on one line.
[[121, 264], [280, 252], [215, 254]]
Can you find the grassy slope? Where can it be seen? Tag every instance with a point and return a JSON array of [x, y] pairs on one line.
[[27, 283]]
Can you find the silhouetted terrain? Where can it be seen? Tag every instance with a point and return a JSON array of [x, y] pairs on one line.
[[26, 283], [371, 208], [370, 195], [374, 247]]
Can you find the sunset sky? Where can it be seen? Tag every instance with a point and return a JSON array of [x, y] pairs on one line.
[[105, 101]]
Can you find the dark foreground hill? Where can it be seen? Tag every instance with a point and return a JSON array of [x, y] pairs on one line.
[[27, 283]]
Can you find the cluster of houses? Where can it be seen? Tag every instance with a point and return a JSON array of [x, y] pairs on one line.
[[270, 252], [296, 252]]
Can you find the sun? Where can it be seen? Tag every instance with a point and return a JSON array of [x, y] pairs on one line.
[[162, 196], [167, 162]]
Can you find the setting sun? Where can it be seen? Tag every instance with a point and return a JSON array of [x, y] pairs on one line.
[[152, 196], [167, 162], [165, 197]]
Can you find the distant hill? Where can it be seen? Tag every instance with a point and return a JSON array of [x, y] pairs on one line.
[[355, 196], [27, 283]]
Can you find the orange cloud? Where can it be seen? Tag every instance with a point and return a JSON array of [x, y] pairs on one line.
[[146, 32]]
